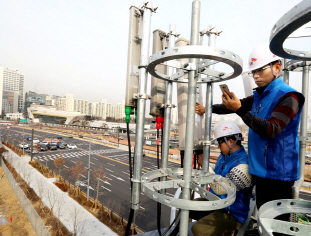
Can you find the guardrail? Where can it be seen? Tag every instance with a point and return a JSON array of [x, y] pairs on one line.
[[31, 213]]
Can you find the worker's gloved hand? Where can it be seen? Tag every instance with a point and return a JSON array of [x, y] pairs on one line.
[[199, 109], [231, 101]]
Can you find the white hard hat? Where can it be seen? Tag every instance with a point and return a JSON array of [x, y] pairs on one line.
[[260, 57], [226, 128]]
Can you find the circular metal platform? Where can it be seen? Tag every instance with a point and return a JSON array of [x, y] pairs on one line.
[[286, 25], [267, 212], [209, 56], [199, 177]]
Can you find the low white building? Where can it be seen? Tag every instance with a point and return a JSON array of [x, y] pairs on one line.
[[14, 116]]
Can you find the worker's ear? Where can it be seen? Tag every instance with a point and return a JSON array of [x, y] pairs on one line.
[[277, 66]]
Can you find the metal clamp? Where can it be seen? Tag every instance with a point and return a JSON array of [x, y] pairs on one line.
[[148, 5], [166, 105], [199, 177], [141, 96], [267, 225], [205, 142], [296, 65], [304, 138], [135, 180], [194, 51], [286, 25], [142, 66]]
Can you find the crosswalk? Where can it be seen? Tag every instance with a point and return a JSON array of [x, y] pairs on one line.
[[76, 154], [121, 156]]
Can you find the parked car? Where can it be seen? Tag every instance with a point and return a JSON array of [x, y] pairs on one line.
[[72, 146], [43, 147], [52, 146], [35, 140], [45, 142], [121, 138], [23, 145], [29, 138], [64, 143], [34, 150], [61, 146]]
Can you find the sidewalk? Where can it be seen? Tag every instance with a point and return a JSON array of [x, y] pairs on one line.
[[67, 210]]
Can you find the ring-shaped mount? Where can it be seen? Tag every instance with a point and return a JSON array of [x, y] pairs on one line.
[[199, 177], [199, 52], [267, 212], [286, 25], [296, 65]]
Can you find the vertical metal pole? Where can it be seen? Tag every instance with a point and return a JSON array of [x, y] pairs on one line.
[[192, 86], [303, 131], [141, 106], [167, 112], [285, 72], [88, 173], [24, 141], [208, 111], [31, 151]]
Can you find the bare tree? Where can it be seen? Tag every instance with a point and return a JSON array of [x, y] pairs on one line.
[[59, 209], [76, 171], [59, 162], [51, 197], [41, 192], [77, 221], [99, 176]]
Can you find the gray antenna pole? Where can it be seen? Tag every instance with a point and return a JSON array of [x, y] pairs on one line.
[[141, 104], [192, 86], [168, 105]]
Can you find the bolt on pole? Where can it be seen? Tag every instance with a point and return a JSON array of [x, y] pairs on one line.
[[190, 124]]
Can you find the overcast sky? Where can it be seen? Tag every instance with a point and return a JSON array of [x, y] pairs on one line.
[[80, 47]]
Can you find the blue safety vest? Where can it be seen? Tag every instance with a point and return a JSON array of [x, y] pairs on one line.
[[275, 158], [240, 208]]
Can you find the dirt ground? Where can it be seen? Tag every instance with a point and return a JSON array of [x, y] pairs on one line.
[[20, 225]]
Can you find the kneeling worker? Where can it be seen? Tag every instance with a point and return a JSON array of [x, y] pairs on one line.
[[233, 165]]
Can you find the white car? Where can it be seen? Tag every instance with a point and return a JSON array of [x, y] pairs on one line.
[[23, 145], [71, 146], [35, 140], [45, 142], [34, 150]]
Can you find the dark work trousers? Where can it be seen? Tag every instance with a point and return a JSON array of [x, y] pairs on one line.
[[269, 190]]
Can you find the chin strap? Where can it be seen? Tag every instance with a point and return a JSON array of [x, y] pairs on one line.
[[237, 138]]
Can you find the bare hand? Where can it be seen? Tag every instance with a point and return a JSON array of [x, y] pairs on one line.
[[231, 101], [199, 109]]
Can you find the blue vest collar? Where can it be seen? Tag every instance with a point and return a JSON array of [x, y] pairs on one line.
[[271, 86]]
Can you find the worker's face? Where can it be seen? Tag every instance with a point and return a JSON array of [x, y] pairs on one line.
[[224, 148], [265, 77]]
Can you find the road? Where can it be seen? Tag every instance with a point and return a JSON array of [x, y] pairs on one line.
[[115, 192]]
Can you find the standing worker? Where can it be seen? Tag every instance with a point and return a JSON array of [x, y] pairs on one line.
[[273, 115]]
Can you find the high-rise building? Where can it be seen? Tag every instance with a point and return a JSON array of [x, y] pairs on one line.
[[10, 102], [14, 81], [61, 104], [69, 102], [104, 108], [120, 111]]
